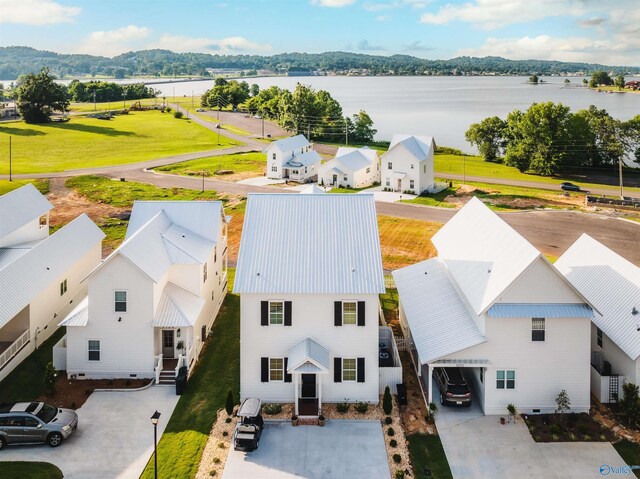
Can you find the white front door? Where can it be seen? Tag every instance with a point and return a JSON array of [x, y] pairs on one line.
[[168, 343]]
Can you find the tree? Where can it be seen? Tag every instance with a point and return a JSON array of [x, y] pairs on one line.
[[387, 402], [50, 377], [600, 78], [255, 90], [608, 145], [563, 403], [488, 136], [630, 404], [533, 79], [619, 82], [39, 96], [567, 81], [230, 404], [363, 131], [585, 81]]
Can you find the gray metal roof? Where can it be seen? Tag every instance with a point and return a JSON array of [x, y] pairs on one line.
[[79, 316], [353, 161], [23, 279], [312, 189], [20, 206], [321, 244], [558, 310], [305, 159], [439, 321], [308, 356]]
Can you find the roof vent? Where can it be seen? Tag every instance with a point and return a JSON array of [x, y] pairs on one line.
[[489, 270], [634, 310], [353, 270], [257, 274]]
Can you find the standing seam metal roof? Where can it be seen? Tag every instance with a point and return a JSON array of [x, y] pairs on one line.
[[305, 352], [20, 206]]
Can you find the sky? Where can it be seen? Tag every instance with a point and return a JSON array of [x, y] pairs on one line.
[[597, 31]]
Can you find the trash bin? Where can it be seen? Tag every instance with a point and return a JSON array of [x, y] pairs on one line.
[[402, 394], [181, 381]]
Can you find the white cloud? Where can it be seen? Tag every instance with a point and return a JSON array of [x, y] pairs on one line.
[[365, 46], [183, 44], [383, 18], [36, 12], [332, 3], [492, 14], [381, 6], [114, 42]]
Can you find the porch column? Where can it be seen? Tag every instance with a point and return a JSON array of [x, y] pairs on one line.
[[429, 384], [319, 380], [296, 378]]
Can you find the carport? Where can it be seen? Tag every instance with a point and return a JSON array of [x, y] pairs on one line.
[[473, 371]]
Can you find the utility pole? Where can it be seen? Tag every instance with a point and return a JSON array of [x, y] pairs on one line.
[[346, 133], [464, 169], [192, 107], [94, 101], [10, 178], [620, 173], [203, 181]]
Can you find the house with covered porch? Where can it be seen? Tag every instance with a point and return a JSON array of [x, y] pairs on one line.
[[491, 304], [292, 159], [351, 168], [612, 284], [408, 165], [150, 305], [309, 308], [40, 274]]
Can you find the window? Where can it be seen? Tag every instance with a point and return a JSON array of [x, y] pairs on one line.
[[204, 273], [274, 168], [31, 422], [505, 379], [412, 166], [411, 184], [276, 312], [305, 169], [389, 166], [203, 333], [349, 369], [388, 183], [599, 336], [273, 156], [94, 350], [295, 172], [121, 302], [345, 178], [215, 254], [43, 221], [369, 170], [537, 329], [212, 295], [276, 369], [349, 312], [63, 287]]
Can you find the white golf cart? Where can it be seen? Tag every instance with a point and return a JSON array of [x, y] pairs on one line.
[[249, 427]]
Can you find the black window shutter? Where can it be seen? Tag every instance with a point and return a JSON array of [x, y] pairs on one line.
[[287, 313], [360, 370], [361, 309], [287, 377], [264, 313], [264, 374], [337, 370], [337, 313]]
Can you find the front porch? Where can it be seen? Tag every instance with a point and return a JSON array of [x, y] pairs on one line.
[[14, 336], [307, 362]]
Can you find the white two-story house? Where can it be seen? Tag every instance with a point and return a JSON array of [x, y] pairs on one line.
[[407, 166], [292, 159], [492, 304], [151, 303], [309, 306], [612, 284], [40, 274], [351, 168]]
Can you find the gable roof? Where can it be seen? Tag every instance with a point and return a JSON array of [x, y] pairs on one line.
[[308, 356], [611, 284], [312, 189], [419, 146], [320, 244], [79, 316], [20, 206], [483, 253], [289, 144], [177, 308], [354, 160], [23, 279], [440, 322], [304, 159]]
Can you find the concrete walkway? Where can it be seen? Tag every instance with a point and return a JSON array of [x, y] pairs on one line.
[[114, 439]]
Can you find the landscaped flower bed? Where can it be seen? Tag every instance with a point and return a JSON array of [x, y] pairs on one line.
[[567, 428]]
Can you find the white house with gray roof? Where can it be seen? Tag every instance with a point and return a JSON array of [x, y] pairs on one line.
[[151, 303], [351, 168], [407, 166], [309, 306], [40, 274], [612, 285], [292, 159], [493, 305]]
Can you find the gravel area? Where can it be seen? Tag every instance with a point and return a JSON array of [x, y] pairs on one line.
[[216, 451]]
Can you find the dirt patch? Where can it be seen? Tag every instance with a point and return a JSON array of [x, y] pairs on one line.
[[234, 232], [571, 428], [72, 393], [414, 414]]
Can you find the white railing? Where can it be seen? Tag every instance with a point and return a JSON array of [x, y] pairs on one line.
[[14, 348], [403, 344], [158, 368], [181, 362]]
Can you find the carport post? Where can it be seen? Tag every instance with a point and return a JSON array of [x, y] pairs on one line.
[[429, 384], [296, 378]]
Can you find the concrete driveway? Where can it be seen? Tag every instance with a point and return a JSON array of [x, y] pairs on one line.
[[478, 446], [341, 449], [114, 437], [382, 196]]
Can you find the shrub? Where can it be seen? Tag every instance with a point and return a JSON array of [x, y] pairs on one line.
[[168, 109], [555, 429], [343, 407], [587, 437], [225, 433], [399, 474], [228, 420], [393, 443], [212, 473], [387, 402], [630, 404], [554, 437], [362, 407], [390, 431], [388, 420], [221, 445], [50, 377], [603, 437], [397, 458], [563, 402], [230, 403], [572, 436], [178, 114], [582, 429], [433, 409], [216, 460], [272, 409]]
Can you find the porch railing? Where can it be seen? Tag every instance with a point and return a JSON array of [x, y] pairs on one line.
[[14, 348], [181, 362], [158, 368]]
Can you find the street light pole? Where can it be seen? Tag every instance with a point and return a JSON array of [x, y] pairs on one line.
[[10, 178], [464, 169], [154, 421], [203, 181], [620, 173]]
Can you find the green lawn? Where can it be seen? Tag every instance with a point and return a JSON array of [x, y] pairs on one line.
[[29, 470], [436, 199], [389, 303], [630, 452], [427, 454], [181, 445], [6, 186], [238, 163], [89, 142], [26, 382]]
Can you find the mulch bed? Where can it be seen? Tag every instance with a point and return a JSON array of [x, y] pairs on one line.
[[572, 428], [72, 393]]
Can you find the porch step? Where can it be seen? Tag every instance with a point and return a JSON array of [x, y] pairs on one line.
[[167, 376]]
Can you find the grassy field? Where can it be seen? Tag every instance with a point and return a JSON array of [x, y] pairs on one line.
[[88, 142], [630, 452], [427, 454], [183, 101], [405, 241], [238, 163], [6, 186], [181, 445], [29, 470]]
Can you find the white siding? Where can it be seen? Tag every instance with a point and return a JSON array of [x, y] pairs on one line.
[[312, 317], [402, 160], [621, 363], [26, 233]]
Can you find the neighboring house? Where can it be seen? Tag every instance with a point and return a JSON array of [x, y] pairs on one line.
[[493, 305], [292, 159], [612, 285], [309, 308], [151, 303], [351, 168], [408, 164], [40, 275]]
